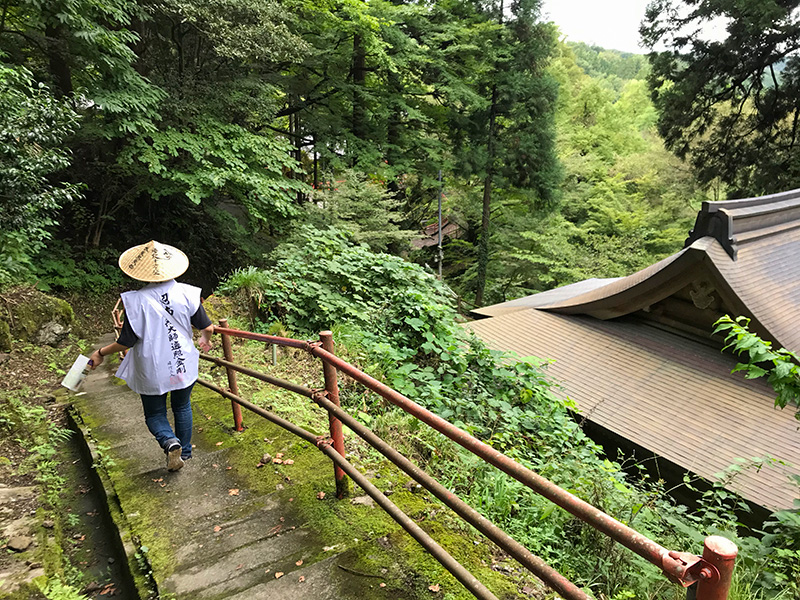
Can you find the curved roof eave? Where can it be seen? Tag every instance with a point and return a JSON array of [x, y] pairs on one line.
[[641, 289]]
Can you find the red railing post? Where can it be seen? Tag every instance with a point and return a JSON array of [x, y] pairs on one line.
[[332, 387], [232, 385], [721, 553]]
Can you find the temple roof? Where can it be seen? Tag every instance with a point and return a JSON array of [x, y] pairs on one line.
[[745, 252], [637, 355]]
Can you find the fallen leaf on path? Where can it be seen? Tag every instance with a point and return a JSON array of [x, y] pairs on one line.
[[434, 587], [240, 565], [279, 574], [299, 562], [233, 492], [217, 528], [320, 495]]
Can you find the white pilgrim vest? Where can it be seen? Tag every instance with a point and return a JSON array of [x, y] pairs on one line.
[[164, 358]]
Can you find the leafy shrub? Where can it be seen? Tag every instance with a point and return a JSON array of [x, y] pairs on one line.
[[63, 269], [33, 126], [400, 323]]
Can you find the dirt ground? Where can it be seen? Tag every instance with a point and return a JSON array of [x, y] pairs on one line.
[[30, 378]]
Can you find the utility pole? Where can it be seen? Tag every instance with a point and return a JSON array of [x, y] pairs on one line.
[[441, 254]]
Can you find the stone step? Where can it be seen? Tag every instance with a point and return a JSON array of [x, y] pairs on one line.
[[323, 580], [242, 567]]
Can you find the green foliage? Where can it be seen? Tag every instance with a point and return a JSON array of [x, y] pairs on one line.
[[781, 544], [779, 366], [730, 106], [62, 269], [782, 550], [370, 213], [55, 589], [33, 126], [397, 322], [625, 201], [211, 158]]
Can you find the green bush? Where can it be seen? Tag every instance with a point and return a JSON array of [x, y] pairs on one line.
[[397, 321], [33, 127], [63, 269]]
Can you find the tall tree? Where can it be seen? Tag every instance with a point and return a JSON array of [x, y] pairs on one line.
[[506, 135], [732, 107]]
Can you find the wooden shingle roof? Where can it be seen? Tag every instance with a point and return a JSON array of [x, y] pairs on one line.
[[671, 395], [621, 344]]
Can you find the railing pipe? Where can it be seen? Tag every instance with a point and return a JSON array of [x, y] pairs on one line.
[[447, 561], [335, 425], [282, 383], [262, 337], [721, 553], [554, 579], [631, 539], [232, 384]]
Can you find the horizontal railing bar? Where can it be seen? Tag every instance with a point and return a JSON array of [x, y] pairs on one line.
[[567, 589], [426, 541], [262, 337], [287, 385], [631, 539]]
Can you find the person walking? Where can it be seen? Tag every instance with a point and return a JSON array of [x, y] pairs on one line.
[[162, 358]]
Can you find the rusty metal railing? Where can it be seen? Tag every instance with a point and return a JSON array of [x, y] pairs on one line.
[[709, 576]]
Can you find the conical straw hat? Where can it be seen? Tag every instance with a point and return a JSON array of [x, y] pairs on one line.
[[153, 262]]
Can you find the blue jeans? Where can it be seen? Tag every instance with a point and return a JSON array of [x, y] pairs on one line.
[[155, 416]]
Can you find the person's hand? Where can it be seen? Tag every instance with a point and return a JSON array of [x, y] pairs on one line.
[[96, 359], [205, 338]]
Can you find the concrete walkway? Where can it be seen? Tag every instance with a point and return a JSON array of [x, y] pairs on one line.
[[201, 532]]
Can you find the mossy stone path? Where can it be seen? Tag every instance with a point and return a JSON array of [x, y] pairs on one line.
[[208, 531]]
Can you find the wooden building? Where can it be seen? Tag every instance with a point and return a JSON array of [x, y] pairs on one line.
[[637, 356]]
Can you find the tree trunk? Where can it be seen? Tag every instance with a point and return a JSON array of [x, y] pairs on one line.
[[393, 129], [483, 244], [359, 72]]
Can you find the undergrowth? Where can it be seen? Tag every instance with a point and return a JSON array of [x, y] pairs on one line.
[[42, 437], [397, 322]]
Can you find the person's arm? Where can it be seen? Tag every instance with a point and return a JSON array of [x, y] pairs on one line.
[[205, 338], [99, 354], [201, 321]]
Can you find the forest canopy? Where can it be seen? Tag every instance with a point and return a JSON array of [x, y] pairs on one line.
[[244, 119], [730, 106]]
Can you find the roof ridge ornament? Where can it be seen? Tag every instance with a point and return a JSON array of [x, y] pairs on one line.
[[733, 222]]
